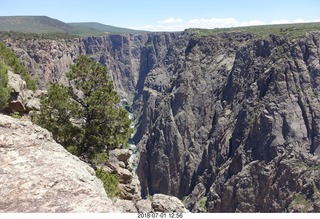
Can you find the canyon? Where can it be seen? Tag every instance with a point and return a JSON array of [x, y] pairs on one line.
[[226, 122]]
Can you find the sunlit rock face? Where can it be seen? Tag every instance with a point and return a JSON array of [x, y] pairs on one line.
[[39, 175], [227, 122]]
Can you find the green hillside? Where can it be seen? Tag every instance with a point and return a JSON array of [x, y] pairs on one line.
[[89, 27], [32, 24], [47, 25], [290, 30]]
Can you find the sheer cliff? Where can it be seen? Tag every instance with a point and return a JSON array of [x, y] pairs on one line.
[[227, 122], [233, 120], [49, 60]]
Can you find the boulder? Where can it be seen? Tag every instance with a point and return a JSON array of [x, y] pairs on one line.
[[22, 100], [120, 155], [165, 203], [16, 82], [125, 206], [144, 206], [33, 104]]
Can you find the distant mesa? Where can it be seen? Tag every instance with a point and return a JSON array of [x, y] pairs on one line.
[[47, 25]]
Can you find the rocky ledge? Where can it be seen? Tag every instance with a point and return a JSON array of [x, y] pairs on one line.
[[39, 175]]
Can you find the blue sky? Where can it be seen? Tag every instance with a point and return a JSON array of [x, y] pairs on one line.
[[169, 15]]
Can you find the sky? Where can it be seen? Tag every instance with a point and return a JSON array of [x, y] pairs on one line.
[[169, 15]]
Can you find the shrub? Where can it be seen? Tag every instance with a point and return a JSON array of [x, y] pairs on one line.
[[73, 150], [10, 59], [110, 182], [15, 115], [100, 158], [5, 90]]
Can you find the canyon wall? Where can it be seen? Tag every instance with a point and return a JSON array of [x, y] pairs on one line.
[[227, 122]]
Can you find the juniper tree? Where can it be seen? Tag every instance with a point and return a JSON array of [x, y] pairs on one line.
[[56, 114], [4, 87], [87, 114]]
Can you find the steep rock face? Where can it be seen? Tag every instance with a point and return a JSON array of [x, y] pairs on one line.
[[221, 120], [229, 122], [129, 58], [39, 175], [47, 60]]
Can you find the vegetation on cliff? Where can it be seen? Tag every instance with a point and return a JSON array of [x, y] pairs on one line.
[[13, 35], [12, 62], [110, 182], [86, 116], [289, 30], [4, 88], [9, 61]]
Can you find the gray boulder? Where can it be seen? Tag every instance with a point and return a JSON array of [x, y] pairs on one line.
[[165, 203]]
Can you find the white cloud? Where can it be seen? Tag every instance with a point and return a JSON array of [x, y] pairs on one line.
[[177, 24], [300, 21], [213, 22], [283, 21], [171, 21], [252, 23]]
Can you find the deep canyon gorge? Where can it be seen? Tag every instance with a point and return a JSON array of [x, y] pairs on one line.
[[226, 122]]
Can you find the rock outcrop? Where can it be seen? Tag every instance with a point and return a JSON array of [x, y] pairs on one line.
[[129, 184], [22, 100], [156, 203], [164, 203], [39, 175], [130, 197], [227, 122]]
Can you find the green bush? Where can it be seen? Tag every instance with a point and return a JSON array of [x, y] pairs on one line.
[[202, 203], [15, 115], [73, 150], [5, 90], [100, 158], [110, 182]]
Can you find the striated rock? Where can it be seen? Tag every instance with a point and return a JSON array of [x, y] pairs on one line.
[[39, 175], [223, 116], [228, 122], [49, 60]]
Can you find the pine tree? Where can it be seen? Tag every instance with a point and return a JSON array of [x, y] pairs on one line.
[[86, 115], [56, 114]]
